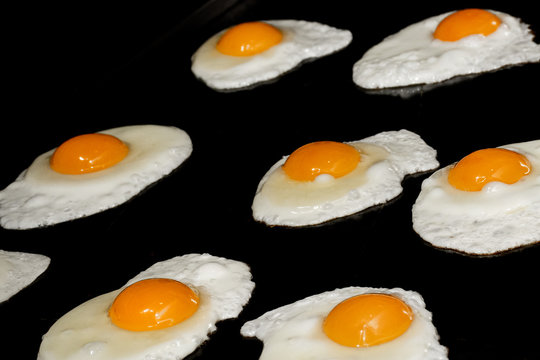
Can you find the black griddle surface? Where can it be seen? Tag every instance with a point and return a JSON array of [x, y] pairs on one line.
[[83, 68]]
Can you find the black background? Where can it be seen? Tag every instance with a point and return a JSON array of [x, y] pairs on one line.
[[73, 69]]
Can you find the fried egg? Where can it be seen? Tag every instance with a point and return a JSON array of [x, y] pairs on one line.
[[463, 42], [349, 323], [258, 51], [165, 312], [325, 180], [18, 270], [486, 203], [90, 173]]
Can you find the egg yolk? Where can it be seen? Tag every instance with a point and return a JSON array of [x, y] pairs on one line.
[[466, 22], [153, 304], [321, 157], [367, 320], [88, 153], [248, 39], [482, 166]]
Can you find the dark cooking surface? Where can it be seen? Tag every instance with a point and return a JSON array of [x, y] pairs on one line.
[[100, 67]]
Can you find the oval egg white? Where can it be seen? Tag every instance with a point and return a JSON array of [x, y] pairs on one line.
[[224, 286], [413, 56], [18, 270], [386, 158], [500, 217], [302, 40], [41, 197], [294, 331]]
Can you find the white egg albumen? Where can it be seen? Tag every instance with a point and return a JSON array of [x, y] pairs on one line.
[[500, 217], [302, 40], [86, 332], [295, 332], [412, 56], [40, 196], [18, 270], [386, 158]]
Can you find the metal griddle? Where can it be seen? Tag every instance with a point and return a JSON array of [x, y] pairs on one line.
[[89, 68]]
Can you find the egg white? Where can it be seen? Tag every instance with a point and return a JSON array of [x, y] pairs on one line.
[[86, 332], [302, 40], [294, 331], [40, 196], [18, 270], [386, 158], [500, 217], [412, 56]]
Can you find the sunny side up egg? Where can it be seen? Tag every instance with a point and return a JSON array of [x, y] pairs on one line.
[[349, 323], [258, 51], [326, 180], [90, 173], [486, 203], [464, 42], [165, 312], [18, 270]]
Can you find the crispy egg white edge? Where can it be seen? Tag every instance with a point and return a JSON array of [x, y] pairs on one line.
[[224, 286], [25, 203], [505, 215], [407, 154], [313, 310], [18, 270], [302, 40], [395, 62]]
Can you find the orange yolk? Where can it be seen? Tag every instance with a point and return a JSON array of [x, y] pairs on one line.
[[88, 153], [480, 167], [321, 157], [466, 22], [249, 39], [367, 320], [153, 304]]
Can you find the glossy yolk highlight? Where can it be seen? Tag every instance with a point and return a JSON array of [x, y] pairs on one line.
[[153, 304], [480, 167], [367, 320], [88, 153], [321, 157], [249, 39], [466, 22]]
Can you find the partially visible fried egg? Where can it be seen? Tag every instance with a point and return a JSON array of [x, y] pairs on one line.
[[487, 203], [258, 51], [325, 180], [18, 270], [165, 312], [90, 173], [439, 48], [349, 323]]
